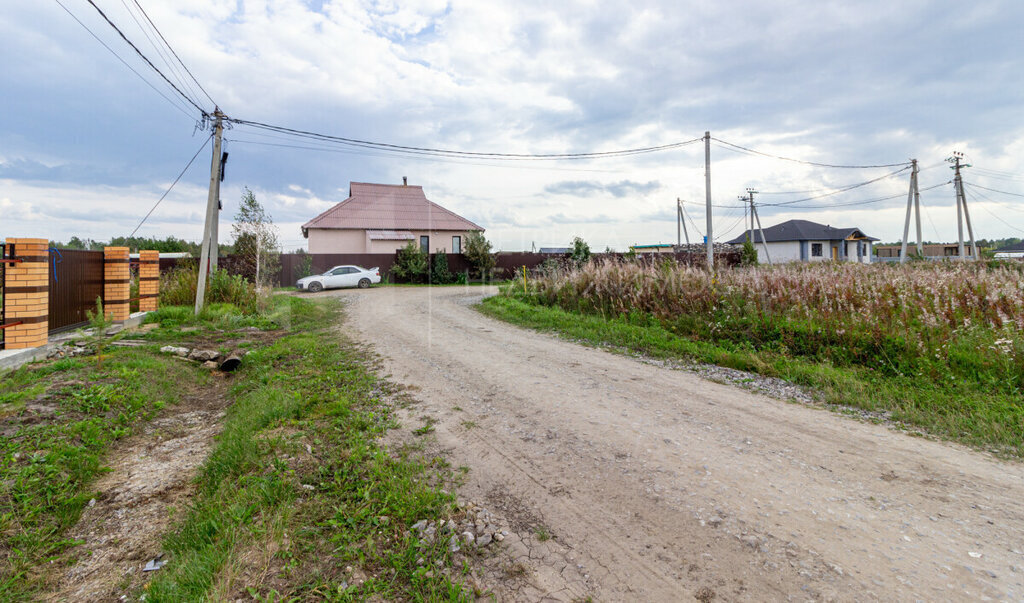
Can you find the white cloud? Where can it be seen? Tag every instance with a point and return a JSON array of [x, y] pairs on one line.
[[828, 82]]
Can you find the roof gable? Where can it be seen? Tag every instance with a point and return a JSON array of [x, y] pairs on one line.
[[803, 230], [389, 207]]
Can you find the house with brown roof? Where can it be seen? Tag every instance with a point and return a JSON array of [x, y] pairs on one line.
[[382, 218]]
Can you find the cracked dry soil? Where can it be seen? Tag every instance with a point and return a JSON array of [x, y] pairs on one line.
[[654, 484]]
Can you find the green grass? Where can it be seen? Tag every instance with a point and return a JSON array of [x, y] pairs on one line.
[[984, 414], [290, 520], [50, 453]]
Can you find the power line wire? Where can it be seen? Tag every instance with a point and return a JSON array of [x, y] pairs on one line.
[[175, 72], [814, 163], [993, 214], [439, 159], [837, 191], [995, 190], [188, 165], [454, 153], [146, 59], [171, 48], [176, 105]]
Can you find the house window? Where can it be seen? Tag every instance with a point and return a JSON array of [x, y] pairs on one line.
[[816, 250], [425, 244], [457, 244]]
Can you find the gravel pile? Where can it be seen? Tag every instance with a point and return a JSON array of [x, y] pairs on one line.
[[476, 529]]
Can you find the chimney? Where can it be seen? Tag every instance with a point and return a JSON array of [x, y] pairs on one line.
[[405, 181]]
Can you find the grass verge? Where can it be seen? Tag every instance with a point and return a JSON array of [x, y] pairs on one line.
[[57, 420], [298, 501], [960, 410]]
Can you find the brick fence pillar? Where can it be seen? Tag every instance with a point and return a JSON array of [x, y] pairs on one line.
[[116, 280], [27, 294], [149, 280]]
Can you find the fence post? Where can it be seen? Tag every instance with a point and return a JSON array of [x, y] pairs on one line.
[[116, 280], [27, 294], [149, 280]]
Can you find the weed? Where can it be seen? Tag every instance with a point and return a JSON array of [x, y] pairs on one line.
[[939, 346], [362, 502]]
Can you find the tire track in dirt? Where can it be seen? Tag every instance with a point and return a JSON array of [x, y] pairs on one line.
[[659, 485]]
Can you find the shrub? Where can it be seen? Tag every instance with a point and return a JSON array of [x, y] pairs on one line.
[[580, 253], [178, 288], [411, 263], [305, 267], [748, 257], [439, 273], [478, 251]]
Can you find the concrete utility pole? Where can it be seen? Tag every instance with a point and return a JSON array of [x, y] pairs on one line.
[[961, 208], [749, 198], [764, 241], [681, 223], [913, 202], [710, 242], [211, 211]]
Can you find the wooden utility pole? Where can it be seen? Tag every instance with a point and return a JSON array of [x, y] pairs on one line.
[[710, 239], [211, 211], [215, 231], [913, 202]]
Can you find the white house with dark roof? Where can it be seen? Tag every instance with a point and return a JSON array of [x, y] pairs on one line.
[[382, 218], [1010, 252], [806, 241]]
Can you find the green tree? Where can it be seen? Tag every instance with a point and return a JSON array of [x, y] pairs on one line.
[[411, 263], [256, 240], [580, 253], [748, 256], [478, 251]]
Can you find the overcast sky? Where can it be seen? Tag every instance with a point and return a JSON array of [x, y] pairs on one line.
[[87, 147]]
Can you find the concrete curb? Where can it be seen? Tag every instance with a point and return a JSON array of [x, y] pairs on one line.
[[12, 359]]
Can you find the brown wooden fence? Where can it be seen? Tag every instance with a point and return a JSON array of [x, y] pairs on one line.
[[76, 280], [508, 263]]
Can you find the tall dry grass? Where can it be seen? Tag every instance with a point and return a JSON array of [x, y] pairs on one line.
[[963, 317]]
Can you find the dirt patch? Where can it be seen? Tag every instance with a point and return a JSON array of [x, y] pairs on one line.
[[150, 480]]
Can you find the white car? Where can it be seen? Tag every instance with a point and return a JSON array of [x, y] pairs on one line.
[[340, 276]]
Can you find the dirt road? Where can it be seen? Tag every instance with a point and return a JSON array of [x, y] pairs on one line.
[[657, 485]]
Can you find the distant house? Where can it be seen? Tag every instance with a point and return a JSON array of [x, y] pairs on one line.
[[806, 241], [1011, 251], [555, 250], [382, 218], [656, 248], [931, 250]]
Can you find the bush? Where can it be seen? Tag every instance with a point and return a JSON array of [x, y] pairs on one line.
[[305, 267], [439, 273], [748, 257], [580, 253], [411, 263], [178, 288], [478, 252]]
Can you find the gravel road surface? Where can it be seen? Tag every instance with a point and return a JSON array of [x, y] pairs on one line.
[[657, 485]]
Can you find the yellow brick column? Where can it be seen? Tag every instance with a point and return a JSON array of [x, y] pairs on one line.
[[149, 280], [27, 294], [116, 281]]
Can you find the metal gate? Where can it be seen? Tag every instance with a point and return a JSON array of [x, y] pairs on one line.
[[76, 280]]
